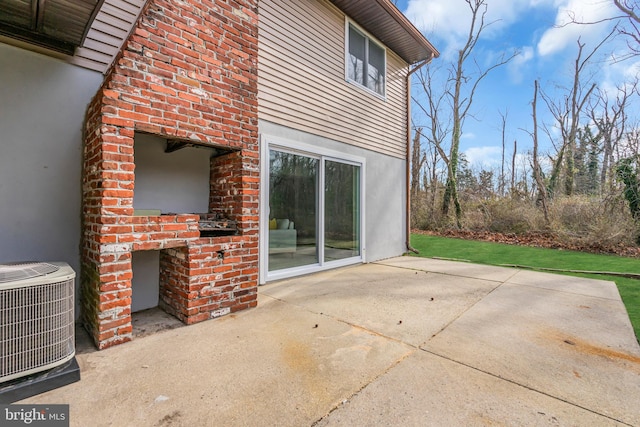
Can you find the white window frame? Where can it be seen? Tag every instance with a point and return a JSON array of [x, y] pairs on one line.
[[369, 39], [266, 144]]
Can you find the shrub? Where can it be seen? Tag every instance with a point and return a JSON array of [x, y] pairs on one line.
[[504, 216], [576, 221], [592, 221]]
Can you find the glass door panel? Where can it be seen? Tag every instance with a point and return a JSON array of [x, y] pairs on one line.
[[341, 211], [293, 207]]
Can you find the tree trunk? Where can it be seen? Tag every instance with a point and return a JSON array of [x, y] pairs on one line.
[[513, 167], [451, 190], [537, 172], [417, 161], [501, 183]]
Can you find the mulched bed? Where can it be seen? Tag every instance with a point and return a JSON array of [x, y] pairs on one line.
[[539, 240]]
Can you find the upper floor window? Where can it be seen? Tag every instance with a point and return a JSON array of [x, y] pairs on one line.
[[366, 61]]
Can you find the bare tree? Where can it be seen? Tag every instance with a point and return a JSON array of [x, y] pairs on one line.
[[567, 114], [437, 125], [418, 158], [537, 170], [501, 180], [626, 24], [434, 173], [513, 166], [459, 91], [631, 23], [610, 117], [629, 144]]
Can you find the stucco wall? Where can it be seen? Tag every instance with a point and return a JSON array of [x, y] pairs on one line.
[[145, 287], [384, 185], [172, 182], [42, 108]]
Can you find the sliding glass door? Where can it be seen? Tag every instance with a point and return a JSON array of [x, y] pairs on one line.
[[293, 205], [314, 209], [341, 210]]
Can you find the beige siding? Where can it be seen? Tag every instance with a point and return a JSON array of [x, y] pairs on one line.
[[301, 78]]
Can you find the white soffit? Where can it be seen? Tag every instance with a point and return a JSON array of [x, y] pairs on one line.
[[107, 33]]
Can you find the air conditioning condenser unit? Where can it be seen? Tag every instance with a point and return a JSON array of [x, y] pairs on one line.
[[37, 323]]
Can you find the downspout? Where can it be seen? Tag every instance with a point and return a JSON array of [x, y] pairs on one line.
[[408, 168]]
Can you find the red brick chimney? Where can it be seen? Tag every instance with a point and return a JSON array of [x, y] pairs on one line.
[[188, 73]]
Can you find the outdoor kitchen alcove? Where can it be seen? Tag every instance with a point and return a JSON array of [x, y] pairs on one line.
[[174, 182], [171, 178]]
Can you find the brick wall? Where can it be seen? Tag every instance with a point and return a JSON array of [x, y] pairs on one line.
[[211, 278], [188, 72]]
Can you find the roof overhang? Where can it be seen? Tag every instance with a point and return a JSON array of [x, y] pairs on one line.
[[87, 33], [91, 32], [382, 19], [59, 25]]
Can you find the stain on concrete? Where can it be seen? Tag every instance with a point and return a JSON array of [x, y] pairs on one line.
[[592, 349], [299, 357], [151, 321], [172, 419], [588, 348]]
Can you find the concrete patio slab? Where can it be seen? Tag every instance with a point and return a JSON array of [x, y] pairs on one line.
[[574, 285], [453, 268], [407, 305], [579, 349], [428, 390], [269, 366], [391, 343]]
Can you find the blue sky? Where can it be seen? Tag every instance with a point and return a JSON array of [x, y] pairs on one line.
[[547, 51]]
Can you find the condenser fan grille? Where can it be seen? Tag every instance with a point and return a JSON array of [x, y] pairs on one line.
[[36, 322], [28, 270]]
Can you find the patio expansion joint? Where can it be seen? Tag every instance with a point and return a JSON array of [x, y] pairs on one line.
[[411, 349], [561, 291], [345, 401], [423, 348], [402, 267], [464, 311], [346, 322], [524, 386]]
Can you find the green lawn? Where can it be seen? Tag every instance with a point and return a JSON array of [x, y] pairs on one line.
[[498, 253]]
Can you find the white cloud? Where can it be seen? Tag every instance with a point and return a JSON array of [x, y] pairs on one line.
[[616, 72], [448, 20], [566, 32], [517, 66], [486, 157]]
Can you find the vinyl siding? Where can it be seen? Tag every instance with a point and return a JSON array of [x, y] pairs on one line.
[[107, 33], [302, 85]]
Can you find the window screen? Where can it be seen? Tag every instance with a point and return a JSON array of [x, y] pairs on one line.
[[375, 69], [357, 49], [365, 62]]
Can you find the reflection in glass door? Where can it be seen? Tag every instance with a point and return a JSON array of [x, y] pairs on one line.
[[293, 207], [314, 212], [341, 211]]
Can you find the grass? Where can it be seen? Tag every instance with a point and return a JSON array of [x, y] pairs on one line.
[[499, 253]]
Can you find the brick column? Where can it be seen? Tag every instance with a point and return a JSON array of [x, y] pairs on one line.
[[188, 72]]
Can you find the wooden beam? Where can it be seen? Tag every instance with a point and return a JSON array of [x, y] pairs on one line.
[[41, 40], [178, 144], [175, 145], [39, 23], [34, 15]]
